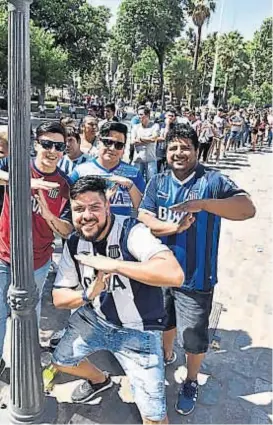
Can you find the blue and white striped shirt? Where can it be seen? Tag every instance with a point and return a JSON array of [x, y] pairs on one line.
[[67, 165], [197, 248]]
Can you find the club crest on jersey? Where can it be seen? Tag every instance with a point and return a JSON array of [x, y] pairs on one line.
[[114, 251], [53, 193], [194, 194]]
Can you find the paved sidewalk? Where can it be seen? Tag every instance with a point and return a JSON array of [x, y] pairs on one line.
[[235, 383]]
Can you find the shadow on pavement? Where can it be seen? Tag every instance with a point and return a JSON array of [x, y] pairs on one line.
[[235, 383]]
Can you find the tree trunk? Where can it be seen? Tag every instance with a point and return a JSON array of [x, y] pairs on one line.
[[131, 90], [195, 62], [197, 48], [225, 90], [161, 82], [235, 83]]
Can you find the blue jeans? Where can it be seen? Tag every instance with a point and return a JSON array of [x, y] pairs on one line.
[[40, 276], [140, 353], [147, 169]]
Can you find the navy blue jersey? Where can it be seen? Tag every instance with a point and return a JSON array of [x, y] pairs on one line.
[[197, 248], [126, 303]]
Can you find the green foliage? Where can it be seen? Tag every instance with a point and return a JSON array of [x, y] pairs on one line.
[[48, 63], [178, 70], [234, 100], [94, 81], [3, 48], [200, 10], [260, 51], [146, 66], [150, 23], [77, 27]]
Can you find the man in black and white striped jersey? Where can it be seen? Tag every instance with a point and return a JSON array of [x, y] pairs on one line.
[[120, 268]]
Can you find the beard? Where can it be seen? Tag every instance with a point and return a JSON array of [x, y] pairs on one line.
[[93, 237]]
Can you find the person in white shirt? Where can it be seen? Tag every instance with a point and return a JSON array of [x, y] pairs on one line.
[[42, 111], [89, 136], [206, 139], [72, 110], [144, 136], [219, 124]]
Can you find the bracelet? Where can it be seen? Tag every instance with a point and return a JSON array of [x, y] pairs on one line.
[[130, 187]]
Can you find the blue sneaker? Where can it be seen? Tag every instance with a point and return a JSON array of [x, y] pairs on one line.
[[187, 397]]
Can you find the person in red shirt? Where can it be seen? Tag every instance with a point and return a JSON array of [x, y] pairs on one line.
[[50, 213]]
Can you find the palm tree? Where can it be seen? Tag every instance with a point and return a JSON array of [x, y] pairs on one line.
[[200, 12], [232, 59]]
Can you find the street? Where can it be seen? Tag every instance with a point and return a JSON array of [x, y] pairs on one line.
[[235, 380]]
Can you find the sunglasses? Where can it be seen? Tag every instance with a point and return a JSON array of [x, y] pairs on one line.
[[109, 142], [48, 144]]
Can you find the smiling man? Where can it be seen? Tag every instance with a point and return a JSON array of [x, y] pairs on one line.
[[129, 184], [184, 206], [50, 213], [120, 267]]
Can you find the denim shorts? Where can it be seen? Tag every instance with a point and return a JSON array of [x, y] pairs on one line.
[[189, 312], [140, 354]]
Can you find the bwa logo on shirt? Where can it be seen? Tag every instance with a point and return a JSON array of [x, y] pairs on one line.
[[165, 214]]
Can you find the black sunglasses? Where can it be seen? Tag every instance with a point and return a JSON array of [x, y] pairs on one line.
[[109, 142], [48, 144]]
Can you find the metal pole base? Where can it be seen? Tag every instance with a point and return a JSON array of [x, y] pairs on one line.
[[47, 416], [26, 388]]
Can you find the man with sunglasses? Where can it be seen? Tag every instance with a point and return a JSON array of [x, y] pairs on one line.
[[50, 213], [126, 181]]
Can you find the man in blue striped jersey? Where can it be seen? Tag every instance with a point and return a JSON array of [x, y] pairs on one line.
[[190, 195], [127, 315], [128, 181], [74, 156]]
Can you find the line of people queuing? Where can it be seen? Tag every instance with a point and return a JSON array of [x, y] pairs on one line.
[[218, 133], [139, 264]]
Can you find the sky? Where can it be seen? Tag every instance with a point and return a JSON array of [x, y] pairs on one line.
[[245, 16]]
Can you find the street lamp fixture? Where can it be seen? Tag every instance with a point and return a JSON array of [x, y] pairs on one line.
[[26, 389]]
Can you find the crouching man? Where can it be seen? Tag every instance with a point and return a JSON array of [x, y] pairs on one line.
[[121, 268]]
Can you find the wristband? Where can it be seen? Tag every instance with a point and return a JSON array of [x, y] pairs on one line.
[[85, 297]]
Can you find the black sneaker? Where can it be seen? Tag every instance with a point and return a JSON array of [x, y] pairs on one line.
[[2, 366], [86, 391]]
